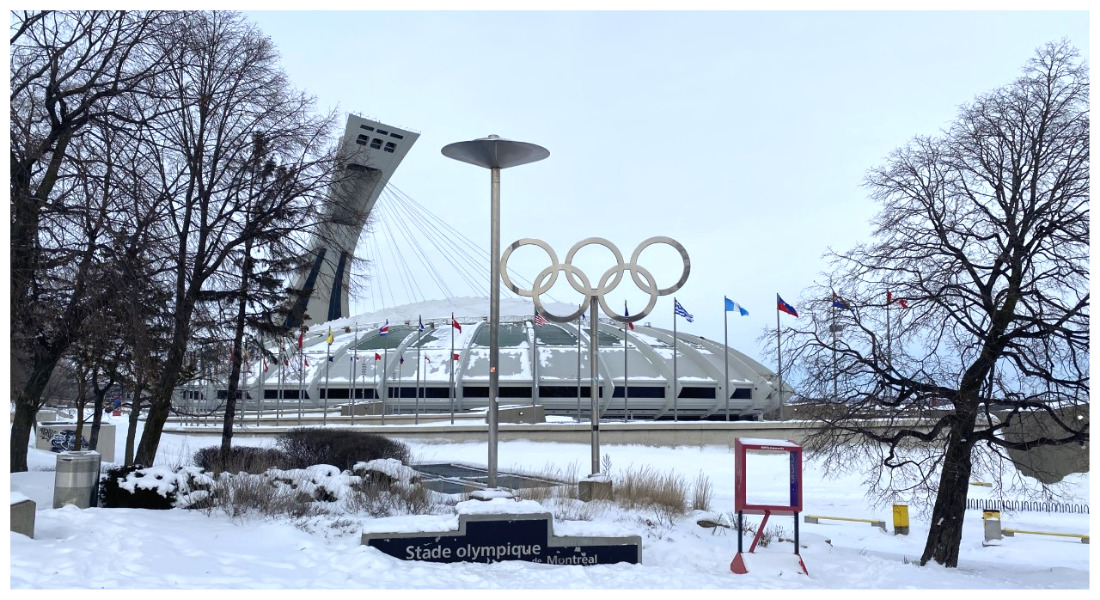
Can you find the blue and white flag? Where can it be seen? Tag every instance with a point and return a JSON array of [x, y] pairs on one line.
[[421, 320], [679, 309], [732, 306]]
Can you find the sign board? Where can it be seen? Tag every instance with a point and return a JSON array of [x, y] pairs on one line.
[[769, 480], [487, 538]]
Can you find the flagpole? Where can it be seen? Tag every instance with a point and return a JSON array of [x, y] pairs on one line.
[[779, 358], [354, 367], [834, 328], [282, 373], [726, 342], [301, 377], [675, 375], [889, 348], [385, 390], [260, 378], [579, 369], [451, 364], [626, 378], [416, 409], [594, 388], [328, 361], [535, 360]]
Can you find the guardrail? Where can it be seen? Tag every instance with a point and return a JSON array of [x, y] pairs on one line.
[[874, 522], [1010, 532]]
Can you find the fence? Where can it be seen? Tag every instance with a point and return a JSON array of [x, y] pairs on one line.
[[1026, 505]]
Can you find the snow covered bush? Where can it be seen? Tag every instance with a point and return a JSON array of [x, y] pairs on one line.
[[137, 486]]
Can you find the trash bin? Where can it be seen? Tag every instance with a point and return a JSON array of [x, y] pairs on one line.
[[77, 479]]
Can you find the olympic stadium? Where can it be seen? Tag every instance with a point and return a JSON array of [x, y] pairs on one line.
[[409, 370], [385, 359]]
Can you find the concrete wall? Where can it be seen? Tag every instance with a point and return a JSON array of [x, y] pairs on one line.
[[22, 517], [47, 431]]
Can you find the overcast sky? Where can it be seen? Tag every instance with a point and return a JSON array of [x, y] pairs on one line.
[[744, 135]]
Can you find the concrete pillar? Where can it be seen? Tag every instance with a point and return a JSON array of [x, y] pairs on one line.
[[594, 488], [991, 521]]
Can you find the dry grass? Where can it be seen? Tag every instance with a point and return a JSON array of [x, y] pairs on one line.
[[645, 488], [702, 493]]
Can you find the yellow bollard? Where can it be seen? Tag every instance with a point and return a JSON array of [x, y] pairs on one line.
[[901, 519]]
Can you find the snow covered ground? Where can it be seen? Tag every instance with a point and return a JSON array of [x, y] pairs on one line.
[[116, 549]]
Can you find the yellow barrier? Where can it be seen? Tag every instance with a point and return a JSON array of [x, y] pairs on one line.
[[874, 523], [1009, 532], [981, 484]]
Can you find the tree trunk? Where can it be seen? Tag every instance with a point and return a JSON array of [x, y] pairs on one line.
[[131, 425], [26, 407], [945, 533]]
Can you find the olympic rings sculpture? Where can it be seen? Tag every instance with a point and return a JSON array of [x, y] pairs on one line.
[[546, 278]]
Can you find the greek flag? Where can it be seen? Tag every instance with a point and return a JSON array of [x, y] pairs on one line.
[[679, 309]]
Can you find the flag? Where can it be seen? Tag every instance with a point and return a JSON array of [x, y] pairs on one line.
[[385, 329], [301, 338], [402, 361], [735, 307], [901, 301], [421, 320], [456, 355], [306, 360], [455, 324], [626, 313], [329, 339], [377, 356], [539, 319], [679, 310], [784, 307], [265, 365], [839, 302], [426, 359]]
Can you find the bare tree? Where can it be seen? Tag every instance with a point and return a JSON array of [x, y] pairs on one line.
[[970, 310], [222, 75], [70, 73]]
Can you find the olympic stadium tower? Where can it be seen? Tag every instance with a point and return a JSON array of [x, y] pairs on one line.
[[372, 152]]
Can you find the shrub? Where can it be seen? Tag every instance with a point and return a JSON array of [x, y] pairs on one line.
[[248, 459], [305, 447], [135, 486], [646, 488], [702, 493]]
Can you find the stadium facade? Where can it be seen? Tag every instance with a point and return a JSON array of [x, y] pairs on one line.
[[412, 370]]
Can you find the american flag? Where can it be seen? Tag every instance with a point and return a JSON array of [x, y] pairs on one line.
[[539, 319]]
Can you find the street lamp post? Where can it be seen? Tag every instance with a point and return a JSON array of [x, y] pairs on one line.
[[494, 153]]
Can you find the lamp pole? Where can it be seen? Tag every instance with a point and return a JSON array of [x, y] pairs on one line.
[[494, 153]]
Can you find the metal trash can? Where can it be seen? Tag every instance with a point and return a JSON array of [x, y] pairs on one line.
[[77, 479]]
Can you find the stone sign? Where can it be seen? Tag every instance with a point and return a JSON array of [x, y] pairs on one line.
[[495, 537]]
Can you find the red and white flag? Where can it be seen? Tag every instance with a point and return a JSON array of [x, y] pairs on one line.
[[455, 324]]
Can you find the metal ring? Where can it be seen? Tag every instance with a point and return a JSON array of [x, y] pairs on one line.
[[579, 281]]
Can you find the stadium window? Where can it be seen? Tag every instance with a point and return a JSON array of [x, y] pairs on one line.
[[367, 127], [376, 143], [397, 135], [382, 132], [390, 146]]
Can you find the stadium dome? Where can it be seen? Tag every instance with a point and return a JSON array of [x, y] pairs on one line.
[[376, 356]]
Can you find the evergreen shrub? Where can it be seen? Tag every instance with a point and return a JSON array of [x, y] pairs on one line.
[[341, 448]]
